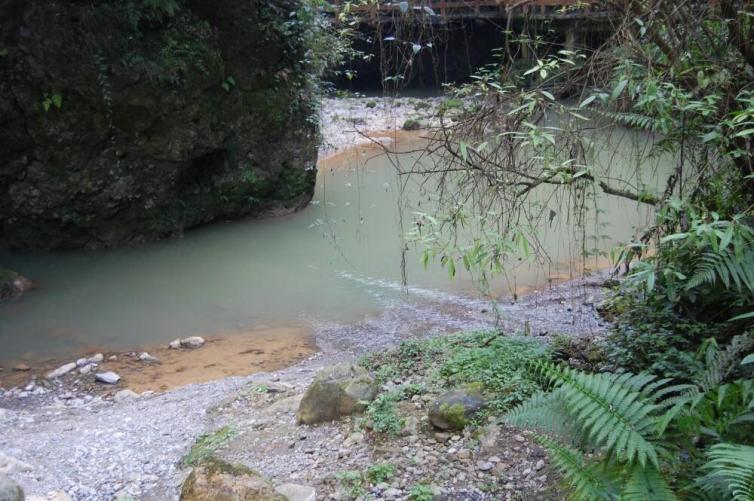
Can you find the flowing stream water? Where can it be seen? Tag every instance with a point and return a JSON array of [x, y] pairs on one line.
[[338, 260]]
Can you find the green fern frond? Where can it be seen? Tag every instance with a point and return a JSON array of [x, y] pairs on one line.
[[730, 470], [546, 413], [647, 484], [611, 410], [721, 362], [586, 480], [726, 268]]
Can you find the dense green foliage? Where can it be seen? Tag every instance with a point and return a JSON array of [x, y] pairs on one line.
[[484, 358], [625, 436]]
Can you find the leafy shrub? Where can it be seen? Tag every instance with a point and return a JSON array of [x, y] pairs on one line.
[[420, 492], [371, 103], [382, 413], [498, 365], [649, 335], [379, 473], [411, 124], [351, 483]]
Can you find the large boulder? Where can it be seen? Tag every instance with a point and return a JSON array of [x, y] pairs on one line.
[[453, 410], [338, 390], [216, 480], [128, 120], [10, 490]]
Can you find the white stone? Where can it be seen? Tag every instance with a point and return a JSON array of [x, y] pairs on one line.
[[86, 369], [175, 344], [108, 377], [192, 342], [62, 370], [97, 358], [295, 492], [82, 362], [148, 359]]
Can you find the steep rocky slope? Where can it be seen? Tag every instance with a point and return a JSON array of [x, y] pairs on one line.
[[128, 120]]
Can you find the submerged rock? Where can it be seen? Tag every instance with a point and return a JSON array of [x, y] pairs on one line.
[[12, 284], [120, 140], [454, 409], [214, 479], [10, 490], [336, 391]]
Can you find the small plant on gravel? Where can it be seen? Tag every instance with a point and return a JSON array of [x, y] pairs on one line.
[[206, 445], [420, 492], [382, 413], [378, 473], [386, 373], [421, 105], [411, 124], [351, 483], [371, 103]]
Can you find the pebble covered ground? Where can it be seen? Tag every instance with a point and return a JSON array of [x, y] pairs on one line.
[[57, 436]]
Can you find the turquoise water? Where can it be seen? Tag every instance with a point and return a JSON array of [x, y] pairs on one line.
[[318, 265]]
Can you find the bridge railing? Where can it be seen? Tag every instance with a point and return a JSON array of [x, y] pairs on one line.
[[475, 8]]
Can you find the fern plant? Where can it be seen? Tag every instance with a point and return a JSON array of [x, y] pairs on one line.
[[619, 436]]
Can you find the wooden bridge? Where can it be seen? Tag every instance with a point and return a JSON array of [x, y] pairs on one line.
[[463, 9]]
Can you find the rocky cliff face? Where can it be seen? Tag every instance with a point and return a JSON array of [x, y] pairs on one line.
[[132, 119]]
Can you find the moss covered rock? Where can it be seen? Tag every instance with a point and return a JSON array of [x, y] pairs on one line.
[[216, 480], [336, 391], [453, 410], [122, 121]]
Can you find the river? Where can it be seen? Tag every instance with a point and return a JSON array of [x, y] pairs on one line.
[[338, 260]]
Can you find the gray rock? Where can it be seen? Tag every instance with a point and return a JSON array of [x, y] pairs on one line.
[[484, 466], [174, 344], [82, 362], [454, 409], [295, 492], [96, 358], [108, 377], [338, 390], [214, 479], [10, 490], [86, 369], [124, 395], [52, 496], [488, 438], [192, 342], [61, 371]]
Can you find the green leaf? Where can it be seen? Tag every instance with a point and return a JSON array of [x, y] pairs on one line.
[[618, 90], [57, 100], [743, 316], [587, 101], [464, 152], [748, 359]]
